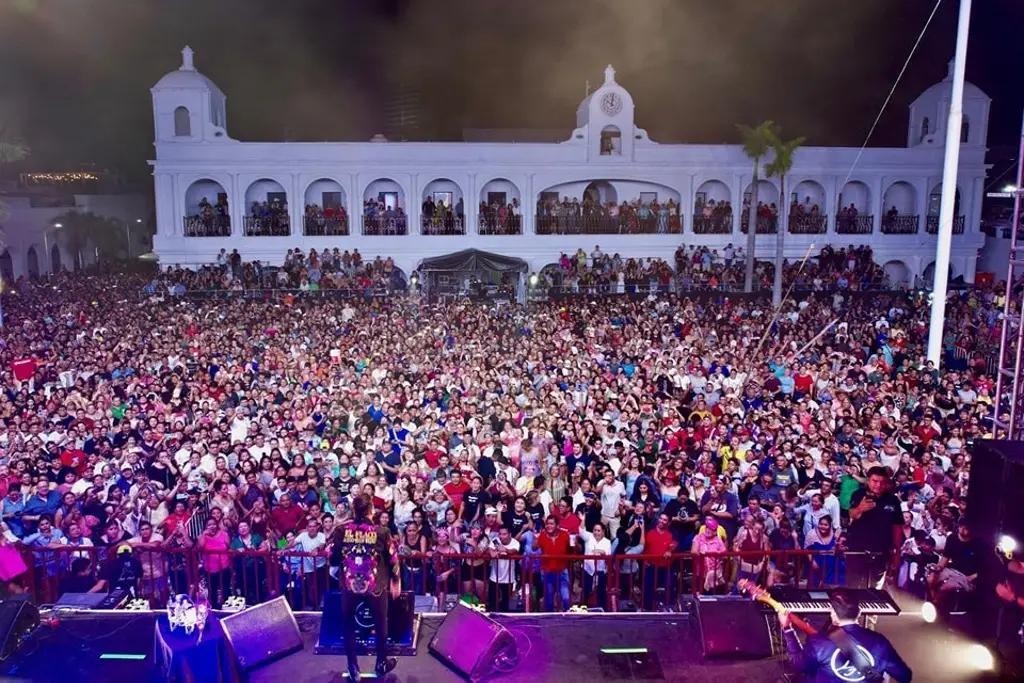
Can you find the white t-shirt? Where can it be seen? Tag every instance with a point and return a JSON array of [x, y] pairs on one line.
[[502, 570], [590, 545], [611, 496]]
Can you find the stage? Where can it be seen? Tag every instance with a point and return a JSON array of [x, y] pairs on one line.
[[569, 648]]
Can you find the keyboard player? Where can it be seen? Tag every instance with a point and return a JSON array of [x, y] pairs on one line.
[[849, 652]]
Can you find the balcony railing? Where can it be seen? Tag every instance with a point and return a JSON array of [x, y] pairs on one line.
[[320, 226], [274, 225], [607, 225], [902, 224], [712, 225], [855, 225], [442, 224], [766, 225], [385, 225], [808, 225], [932, 225], [491, 224], [207, 226]]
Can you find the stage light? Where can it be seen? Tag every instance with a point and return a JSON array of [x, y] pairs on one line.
[[138, 220], [929, 613], [980, 657], [1009, 188], [533, 280], [1007, 545], [413, 280], [58, 225]]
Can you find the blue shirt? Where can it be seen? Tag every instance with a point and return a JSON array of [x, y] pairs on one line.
[[9, 507]]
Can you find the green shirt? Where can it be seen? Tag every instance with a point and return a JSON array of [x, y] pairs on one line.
[[846, 488]]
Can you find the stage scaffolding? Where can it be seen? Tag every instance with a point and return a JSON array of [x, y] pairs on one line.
[[1011, 346]]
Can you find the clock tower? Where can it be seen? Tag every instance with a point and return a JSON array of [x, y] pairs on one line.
[[606, 116]]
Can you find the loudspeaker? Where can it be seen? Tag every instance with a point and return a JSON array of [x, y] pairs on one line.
[[471, 643], [735, 628], [18, 618], [260, 634], [401, 627]]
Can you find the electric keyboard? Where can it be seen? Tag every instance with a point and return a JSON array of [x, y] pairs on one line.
[[871, 602]]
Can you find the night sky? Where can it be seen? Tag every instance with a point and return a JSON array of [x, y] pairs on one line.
[[75, 74]]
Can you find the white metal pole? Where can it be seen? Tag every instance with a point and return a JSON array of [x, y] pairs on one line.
[[949, 182]]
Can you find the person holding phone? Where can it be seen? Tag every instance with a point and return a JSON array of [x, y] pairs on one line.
[[875, 535]]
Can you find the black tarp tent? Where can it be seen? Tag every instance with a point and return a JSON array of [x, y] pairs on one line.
[[473, 269], [473, 261]]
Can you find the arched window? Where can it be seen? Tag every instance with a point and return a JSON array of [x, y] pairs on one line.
[[965, 130], [182, 123], [925, 128], [611, 141]]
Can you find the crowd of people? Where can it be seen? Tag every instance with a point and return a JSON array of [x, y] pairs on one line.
[[157, 445], [329, 221], [383, 218], [711, 217], [268, 218], [499, 218], [594, 217], [442, 218], [212, 220]]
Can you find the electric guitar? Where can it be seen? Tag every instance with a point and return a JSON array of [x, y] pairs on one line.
[[762, 595]]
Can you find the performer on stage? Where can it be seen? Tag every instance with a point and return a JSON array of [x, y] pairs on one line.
[[849, 652], [368, 563]]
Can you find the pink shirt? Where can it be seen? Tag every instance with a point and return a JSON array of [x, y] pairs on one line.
[[216, 561]]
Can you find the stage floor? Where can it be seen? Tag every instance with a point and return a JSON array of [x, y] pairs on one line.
[[562, 648]]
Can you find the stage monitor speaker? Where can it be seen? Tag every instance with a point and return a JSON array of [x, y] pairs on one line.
[[472, 643], [401, 627], [18, 618], [262, 633], [735, 628]]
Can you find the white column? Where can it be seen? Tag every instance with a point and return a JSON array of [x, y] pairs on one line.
[[354, 206], [237, 206], [529, 208], [877, 209], [737, 211], [949, 178], [296, 205], [471, 206], [686, 206], [414, 205], [924, 191], [831, 206]]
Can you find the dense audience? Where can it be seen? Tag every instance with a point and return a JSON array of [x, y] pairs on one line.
[[594, 217], [711, 217], [159, 445]]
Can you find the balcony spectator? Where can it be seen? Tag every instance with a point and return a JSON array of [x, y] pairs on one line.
[[380, 218], [329, 221], [500, 219], [442, 218], [268, 219], [592, 217], [213, 220]]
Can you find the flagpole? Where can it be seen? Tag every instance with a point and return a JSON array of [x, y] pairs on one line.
[[949, 185]]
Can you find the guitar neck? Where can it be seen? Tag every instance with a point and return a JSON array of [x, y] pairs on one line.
[[793, 618]]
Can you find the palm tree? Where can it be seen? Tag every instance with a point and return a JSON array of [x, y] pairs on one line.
[[79, 230], [756, 145], [779, 168]]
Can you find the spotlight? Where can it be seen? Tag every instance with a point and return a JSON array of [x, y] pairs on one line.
[[980, 657], [533, 280], [929, 613], [1007, 545], [413, 280]]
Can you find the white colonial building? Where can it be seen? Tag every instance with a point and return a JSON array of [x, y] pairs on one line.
[[607, 156]]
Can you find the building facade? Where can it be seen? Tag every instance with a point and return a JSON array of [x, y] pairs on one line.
[[31, 212], [214, 192]]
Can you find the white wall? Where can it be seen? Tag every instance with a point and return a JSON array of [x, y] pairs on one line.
[[901, 195], [858, 194], [896, 271], [257, 192], [315, 192], [767, 192], [385, 185], [197, 191], [812, 189], [501, 185], [716, 190]]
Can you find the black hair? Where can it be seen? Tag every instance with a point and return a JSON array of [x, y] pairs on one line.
[[844, 604], [361, 507]]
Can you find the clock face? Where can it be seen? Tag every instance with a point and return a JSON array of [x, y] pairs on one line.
[[611, 103]]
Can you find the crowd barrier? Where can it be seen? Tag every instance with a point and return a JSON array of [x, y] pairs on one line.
[[529, 582]]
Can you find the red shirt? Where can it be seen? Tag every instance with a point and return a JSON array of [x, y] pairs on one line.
[[570, 524], [658, 543], [455, 493], [282, 521], [559, 545], [433, 458]]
